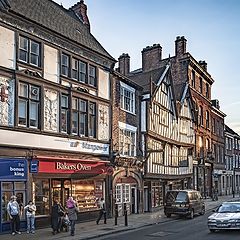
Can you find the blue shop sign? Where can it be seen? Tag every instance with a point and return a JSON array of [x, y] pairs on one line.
[[13, 169], [34, 166]]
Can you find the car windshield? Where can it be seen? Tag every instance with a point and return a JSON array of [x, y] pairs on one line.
[[229, 208], [179, 197]]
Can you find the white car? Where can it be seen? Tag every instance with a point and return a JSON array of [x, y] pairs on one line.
[[227, 216]]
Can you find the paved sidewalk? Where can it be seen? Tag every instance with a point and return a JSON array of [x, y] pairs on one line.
[[89, 230]]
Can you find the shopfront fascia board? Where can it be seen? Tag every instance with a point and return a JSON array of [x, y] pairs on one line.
[[21, 139]]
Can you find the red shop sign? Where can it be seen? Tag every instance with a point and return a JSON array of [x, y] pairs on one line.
[[70, 166]]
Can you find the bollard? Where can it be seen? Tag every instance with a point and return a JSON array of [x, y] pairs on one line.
[[125, 214], [116, 213]]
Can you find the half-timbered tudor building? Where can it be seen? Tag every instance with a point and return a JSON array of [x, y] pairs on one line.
[[167, 129], [54, 108], [126, 147], [218, 147]]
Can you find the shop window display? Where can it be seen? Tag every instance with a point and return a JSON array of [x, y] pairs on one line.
[[41, 192], [86, 193]]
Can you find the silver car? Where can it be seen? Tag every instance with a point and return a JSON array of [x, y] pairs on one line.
[[227, 216]]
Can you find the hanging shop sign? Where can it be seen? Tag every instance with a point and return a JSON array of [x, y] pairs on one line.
[[73, 166], [13, 169]]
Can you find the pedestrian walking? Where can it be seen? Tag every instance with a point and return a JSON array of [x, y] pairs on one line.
[[13, 210], [101, 205], [30, 213], [72, 210], [56, 215]]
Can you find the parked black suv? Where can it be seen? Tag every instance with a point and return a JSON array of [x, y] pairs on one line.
[[184, 202]]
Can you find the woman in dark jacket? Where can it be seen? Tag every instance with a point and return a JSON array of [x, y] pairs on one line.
[[57, 213]]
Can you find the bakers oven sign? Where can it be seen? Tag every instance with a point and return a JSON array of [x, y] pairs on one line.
[[91, 167], [75, 166]]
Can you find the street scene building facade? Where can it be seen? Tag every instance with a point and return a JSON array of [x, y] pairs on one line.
[[167, 128], [71, 124], [55, 108]]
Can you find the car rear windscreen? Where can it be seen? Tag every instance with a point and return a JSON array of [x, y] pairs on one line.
[[179, 197]]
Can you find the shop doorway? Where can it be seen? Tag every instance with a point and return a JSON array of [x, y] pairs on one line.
[[61, 190]]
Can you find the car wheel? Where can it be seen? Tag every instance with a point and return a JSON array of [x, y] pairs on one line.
[[191, 215], [212, 230], [203, 211], [168, 215]]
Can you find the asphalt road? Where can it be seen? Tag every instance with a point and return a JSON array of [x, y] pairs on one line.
[[180, 229]]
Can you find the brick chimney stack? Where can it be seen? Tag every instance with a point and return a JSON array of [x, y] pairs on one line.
[[124, 64], [80, 10], [151, 57], [203, 64], [180, 45]]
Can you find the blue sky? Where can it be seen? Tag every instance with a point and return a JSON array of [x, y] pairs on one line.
[[211, 27]]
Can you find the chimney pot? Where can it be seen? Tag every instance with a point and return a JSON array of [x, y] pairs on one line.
[[180, 46], [124, 64], [80, 10], [151, 57]]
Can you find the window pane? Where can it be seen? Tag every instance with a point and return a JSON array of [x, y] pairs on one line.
[[64, 102], [75, 69], [41, 196], [22, 112], [64, 116], [23, 43], [83, 106], [34, 59], [35, 48], [65, 65], [34, 92], [92, 75], [75, 123], [7, 186], [33, 114], [19, 185], [75, 103], [23, 55], [83, 71], [23, 90], [83, 121]]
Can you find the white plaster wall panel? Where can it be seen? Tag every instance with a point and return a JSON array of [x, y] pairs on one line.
[[103, 84], [6, 101], [51, 110], [7, 48], [51, 64], [103, 122]]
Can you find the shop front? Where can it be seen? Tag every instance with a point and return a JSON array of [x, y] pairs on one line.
[[58, 178], [128, 190], [13, 181]]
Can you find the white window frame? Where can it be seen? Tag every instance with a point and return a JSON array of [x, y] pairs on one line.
[[125, 127], [132, 91]]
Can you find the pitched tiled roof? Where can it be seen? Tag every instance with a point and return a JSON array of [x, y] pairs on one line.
[[144, 78], [58, 19]]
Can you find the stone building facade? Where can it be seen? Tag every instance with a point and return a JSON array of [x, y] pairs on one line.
[[55, 109]]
